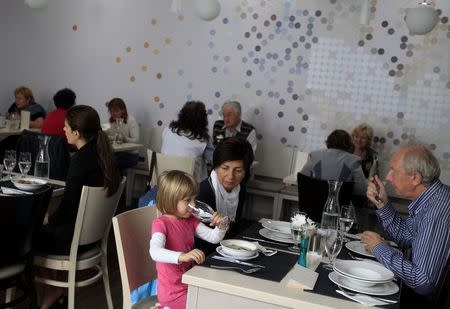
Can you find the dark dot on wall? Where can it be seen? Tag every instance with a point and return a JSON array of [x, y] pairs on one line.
[[291, 18], [409, 53], [309, 33], [403, 46], [258, 93], [436, 69], [267, 23], [295, 97], [391, 73], [376, 139], [400, 66], [210, 111], [404, 136], [391, 31], [310, 26], [217, 94], [396, 142], [380, 51], [255, 16], [282, 101], [446, 155], [384, 24], [256, 111], [273, 17], [404, 39], [256, 61], [291, 128], [303, 130], [161, 105], [225, 20], [400, 115], [283, 140], [382, 140], [439, 12], [394, 59], [295, 45], [305, 117], [297, 25], [323, 20], [247, 34], [361, 43], [390, 134], [315, 39], [444, 20], [333, 1], [253, 29], [278, 24], [159, 123], [318, 13], [369, 36], [259, 35], [432, 146], [308, 45], [299, 110], [239, 46], [259, 136], [249, 73], [280, 114], [257, 48], [302, 39]]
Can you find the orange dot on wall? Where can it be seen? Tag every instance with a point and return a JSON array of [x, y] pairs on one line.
[[159, 76], [168, 41], [132, 78], [146, 45], [74, 27], [128, 49], [180, 17], [144, 68], [154, 21], [118, 59], [157, 99]]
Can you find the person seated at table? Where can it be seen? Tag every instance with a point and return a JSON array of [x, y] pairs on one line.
[[224, 190], [414, 175], [54, 122], [172, 242], [362, 137], [337, 162], [92, 165], [128, 130], [188, 136], [24, 101]]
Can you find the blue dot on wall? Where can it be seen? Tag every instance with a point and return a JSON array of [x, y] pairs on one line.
[[256, 61], [188, 42], [210, 111], [272, 81], [189, 97], [280, 114], [287, 57], [270, 94], [290, 83], [275, 56], [287, 50], [212, 32], [225, 20], [180, 72], [276, 94], [292, 71], [305, 13], [217, 94], [269, 55], [305, 65], [211, 45], [262, 61], [280, 63], [189, 85], [283, 140], [216, 106], [294, 45], [291, 128], [161, 105], [256, 111], [239, 46], [244, 59], [273, 69], [278, 24], [261, 68], [216, 57], [299, 58], [290, 89], [214, 69], [308, 45], [247, 85], [291, 25], [226, 71], [226, 58], [251, 54]]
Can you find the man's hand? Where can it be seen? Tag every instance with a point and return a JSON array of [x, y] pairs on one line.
[[370, 240], [376, 192]]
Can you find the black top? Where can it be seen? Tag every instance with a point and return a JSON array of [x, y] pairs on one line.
[[36, 110], [208, 196], [84, 170]]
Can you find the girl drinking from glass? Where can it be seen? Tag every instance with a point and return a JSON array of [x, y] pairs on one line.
[[172, 242]]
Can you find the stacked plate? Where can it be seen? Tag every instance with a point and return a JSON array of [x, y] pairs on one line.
[[276, 230], [238, 249], [364, 277]]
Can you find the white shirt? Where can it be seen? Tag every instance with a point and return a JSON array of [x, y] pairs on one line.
[[180, 145]]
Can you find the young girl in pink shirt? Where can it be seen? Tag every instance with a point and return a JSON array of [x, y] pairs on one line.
[[172, 242]]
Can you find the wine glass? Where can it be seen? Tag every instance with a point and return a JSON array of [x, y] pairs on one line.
[[24, 163], [9, 160], [298, 219], [347, 218], [204, 213], [333, 245]]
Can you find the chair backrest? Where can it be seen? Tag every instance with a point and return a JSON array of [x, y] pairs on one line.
[[59, 156], [441, 297], [313, 193], [156, 139], [132, 231], [274, 162], [167, 163], [21, 218], [95, 212], [299, 161]]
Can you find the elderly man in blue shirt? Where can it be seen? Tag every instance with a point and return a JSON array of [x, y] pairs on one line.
[[414, 174]]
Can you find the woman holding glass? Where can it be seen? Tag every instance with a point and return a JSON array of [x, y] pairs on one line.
[[223, 189]]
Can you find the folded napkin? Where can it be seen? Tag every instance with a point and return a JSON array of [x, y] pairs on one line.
[[264, 250], [11, 191], [302, 278], [364, 299]]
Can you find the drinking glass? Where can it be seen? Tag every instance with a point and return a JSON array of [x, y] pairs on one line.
[[204, 213], [9, 160], [333, 245], [14, 119], [347, 218], [24, 163], [297, 223], [118, 126]]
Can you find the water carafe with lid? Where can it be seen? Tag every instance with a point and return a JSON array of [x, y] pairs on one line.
[[331, 210], [42, 163]]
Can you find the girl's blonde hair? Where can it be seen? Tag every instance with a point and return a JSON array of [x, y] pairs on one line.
[[173, 186]]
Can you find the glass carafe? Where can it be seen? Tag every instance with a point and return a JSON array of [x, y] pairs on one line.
[[118, 127], [42, 163], [331, 210]]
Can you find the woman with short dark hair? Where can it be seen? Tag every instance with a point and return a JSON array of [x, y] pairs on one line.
[[224, 190], [54, 122]]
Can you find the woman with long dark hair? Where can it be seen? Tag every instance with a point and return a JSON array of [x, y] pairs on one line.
[[188, 136], [92, 165]]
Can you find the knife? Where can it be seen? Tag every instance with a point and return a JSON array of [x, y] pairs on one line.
[[218, 257]]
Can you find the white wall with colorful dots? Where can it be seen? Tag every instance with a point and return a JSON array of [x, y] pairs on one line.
[[299, 68]]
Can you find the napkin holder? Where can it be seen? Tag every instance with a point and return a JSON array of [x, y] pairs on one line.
[[302, 278], [24, 120]]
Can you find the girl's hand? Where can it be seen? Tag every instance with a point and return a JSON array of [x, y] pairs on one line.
[[219, 220], [195, 255]]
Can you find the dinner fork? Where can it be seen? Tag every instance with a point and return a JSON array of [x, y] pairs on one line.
[[390, 301], [246, 271]]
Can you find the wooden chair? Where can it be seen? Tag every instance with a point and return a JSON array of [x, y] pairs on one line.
[[92, 226], [313, 193], [21, 218], [132, 231]]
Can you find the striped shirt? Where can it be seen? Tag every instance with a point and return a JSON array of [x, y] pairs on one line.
[[426, 231]]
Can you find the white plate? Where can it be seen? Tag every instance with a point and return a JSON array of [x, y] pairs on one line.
[[274, 236], [379, 289], [238, 247], [357, 247], [362, 270], [220, 251], [280, 227], [36, 183]]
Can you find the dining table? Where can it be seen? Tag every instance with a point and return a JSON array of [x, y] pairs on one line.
[[268, 288], [7, 131], [126, 147]]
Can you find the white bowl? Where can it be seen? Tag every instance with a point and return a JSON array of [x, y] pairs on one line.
[[238, 248], [28, 183]]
